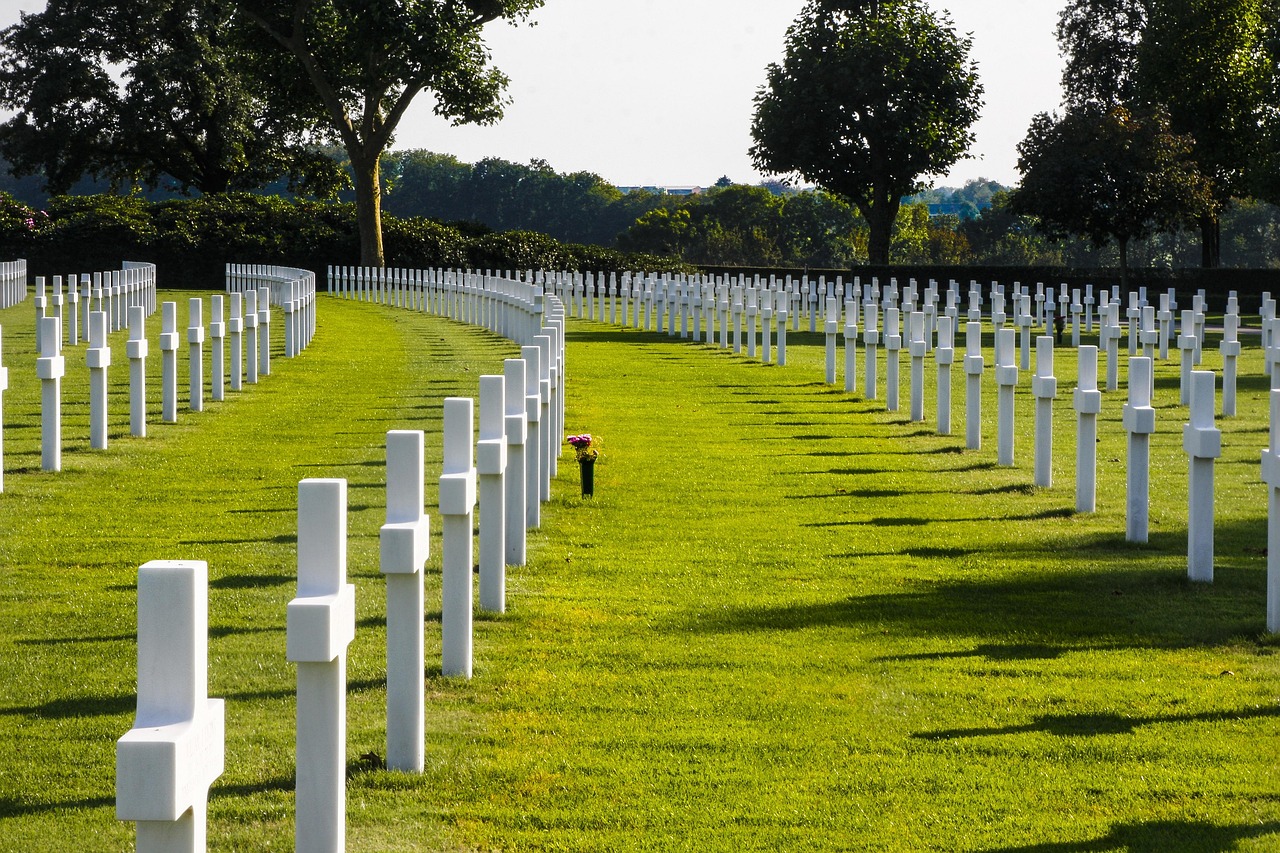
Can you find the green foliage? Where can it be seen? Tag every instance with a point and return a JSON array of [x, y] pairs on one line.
[[967, 201], [1100, 41], [1212, 65], [576, 207], [154, 91], [418, 243], [1000, 236], [355, 68], [1108, 174], [20, 225], [191, 240], [866, 101], [749, 226], [921, 239], [519, 250]]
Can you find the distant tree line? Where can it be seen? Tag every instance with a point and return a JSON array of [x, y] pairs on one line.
[[580, 207], [191, 239]]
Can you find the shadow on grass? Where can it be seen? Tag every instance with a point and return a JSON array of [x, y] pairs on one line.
[[1159, 836], [10, 807], [251, 581], [75, 707], [279, 784], [1118, 608], [282, 539], [58, 641], [1014, 651], [1084, 725]]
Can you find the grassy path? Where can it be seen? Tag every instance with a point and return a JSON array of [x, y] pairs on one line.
[[788, 619]]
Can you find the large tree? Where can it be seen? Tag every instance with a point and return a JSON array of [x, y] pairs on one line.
[[145, 91], [1206, 62], [869, 98], [1210, 64], [1099, 40], [1109, 175], [360, 65]]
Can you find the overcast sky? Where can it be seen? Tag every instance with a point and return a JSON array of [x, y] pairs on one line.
[[648, 92]]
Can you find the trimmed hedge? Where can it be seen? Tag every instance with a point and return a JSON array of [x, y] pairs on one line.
[[190, 240]]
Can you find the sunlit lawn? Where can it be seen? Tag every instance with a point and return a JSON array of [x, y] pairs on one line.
[[787, 620]]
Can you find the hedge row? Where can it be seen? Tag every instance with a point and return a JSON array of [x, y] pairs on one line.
[[190, 240]]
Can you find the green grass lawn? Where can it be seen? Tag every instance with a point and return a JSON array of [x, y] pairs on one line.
[[787, 620]]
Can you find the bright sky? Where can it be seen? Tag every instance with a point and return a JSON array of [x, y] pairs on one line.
[[659, 92]]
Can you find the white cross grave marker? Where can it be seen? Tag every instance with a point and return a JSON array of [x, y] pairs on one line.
[[1139, 421], [892, 346], [98, 358], [1271, 476], [491, 466], [1006, 381], [851, 345], [320, 624], [251, 334], [404, 546], [517, 433], [457, 503], [136, 350], [548, 434], [973, 365], [169, 362], [217, 336], [1203, 444], [1088, 405], [945, 355], [264, 331], [174, 752], [916, 347], [236, 327], [1044, 387], [195, 352], [50, 368], [1230, 349], [1187, 342]]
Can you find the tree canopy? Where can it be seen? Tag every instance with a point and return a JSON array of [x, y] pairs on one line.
[[1109, 175], [146, 92], [222, 94], [1212, 66], [869, 98], [357, 67]]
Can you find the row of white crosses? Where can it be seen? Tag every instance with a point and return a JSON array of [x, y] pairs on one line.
[[13, 283], [694, 302], [250, 316], [1150, 332], [132, 287], [167, 762], [509, 304], [291, 290], [112, 292]]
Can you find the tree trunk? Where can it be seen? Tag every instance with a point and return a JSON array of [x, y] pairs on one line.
[[368, 208], [1124, 264], [1210, 241], [880, 224]]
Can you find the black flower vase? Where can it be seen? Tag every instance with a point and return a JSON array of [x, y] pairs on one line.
[[587, 467]]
